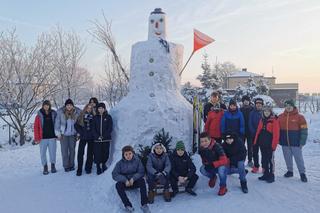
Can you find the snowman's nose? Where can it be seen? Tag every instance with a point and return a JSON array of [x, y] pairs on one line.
[[157, 25]]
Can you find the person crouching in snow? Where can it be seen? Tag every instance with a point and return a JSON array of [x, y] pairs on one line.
[[267, 137], [214, 161], [102, 128], [158, 170], [236, 153], [183, 171], [129, 173]]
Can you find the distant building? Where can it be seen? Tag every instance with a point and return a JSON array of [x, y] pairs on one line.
[[278, 91]]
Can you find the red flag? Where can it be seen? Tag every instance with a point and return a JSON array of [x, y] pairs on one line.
[[200, 40]]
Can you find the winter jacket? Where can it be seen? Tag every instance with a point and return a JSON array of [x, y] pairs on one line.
[[158, 163], [125, 170], [293, 129], [232, 122], [235, 152], [213, 123], [182, 166], [38, 124], [268, 132], [102, 127], [246, 114], [254, 118], [207, 108], [61, 121], [213, 156], [85, 131]]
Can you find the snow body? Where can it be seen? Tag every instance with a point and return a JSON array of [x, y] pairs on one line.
[[154, 100]]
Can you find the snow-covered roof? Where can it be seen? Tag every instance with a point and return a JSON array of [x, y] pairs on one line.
[[244, 74]]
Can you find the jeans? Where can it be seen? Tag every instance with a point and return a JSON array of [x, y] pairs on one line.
[[240, 169], [221, 171], [50, 144]]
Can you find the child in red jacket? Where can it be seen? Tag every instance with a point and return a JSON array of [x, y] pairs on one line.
[[267, 137], [213, 122]]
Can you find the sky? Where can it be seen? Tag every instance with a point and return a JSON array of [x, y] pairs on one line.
[[270, 37]]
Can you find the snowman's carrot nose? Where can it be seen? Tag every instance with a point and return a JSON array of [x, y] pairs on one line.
[[157, 25]]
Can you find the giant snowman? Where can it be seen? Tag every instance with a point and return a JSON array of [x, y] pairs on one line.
[[154, 100]]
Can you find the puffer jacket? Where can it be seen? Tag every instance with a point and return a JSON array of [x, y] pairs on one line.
[[158, 163], [125, 170], [293, 129]]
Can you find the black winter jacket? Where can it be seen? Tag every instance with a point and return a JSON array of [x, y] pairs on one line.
[[182, 166], [102, 127], [235, 152]]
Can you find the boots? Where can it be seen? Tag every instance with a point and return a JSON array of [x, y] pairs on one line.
[[270, 179], [45, 169], [303, 177], [222, 191], [255, 169], [151, 195], [99, 170], [79, 172], [166, 195], [145, 208], [265, 176], [288, 174], [244, 186], [53, 168], [212, 181], [104, 167], [191, 192]]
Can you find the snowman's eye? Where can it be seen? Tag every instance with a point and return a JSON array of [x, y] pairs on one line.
[[151, 21], [161, 20]]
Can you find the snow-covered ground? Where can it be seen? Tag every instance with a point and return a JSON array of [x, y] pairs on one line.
[[23, 188]]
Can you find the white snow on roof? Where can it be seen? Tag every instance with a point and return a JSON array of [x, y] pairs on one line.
[[243, 74]]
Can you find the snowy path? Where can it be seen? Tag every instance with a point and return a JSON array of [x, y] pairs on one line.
[[23, 188]]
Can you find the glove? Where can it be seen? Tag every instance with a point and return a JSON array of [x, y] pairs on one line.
[[164, 173]]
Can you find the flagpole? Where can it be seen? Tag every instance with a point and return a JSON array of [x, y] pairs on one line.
[[186, 63]]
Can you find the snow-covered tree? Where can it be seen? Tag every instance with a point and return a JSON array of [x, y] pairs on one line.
[[249, 89], [262, 87], [208, 78]]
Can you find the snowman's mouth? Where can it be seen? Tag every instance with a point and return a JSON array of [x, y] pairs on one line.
[[157, 33]]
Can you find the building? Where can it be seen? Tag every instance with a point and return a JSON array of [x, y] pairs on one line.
[[278, 91]]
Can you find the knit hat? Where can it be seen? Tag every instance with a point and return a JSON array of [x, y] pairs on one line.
[[290, 102], [246, 98], [232, 102], [101, 104], [68, 101], [180, 146], [259, 100], [229, 135]]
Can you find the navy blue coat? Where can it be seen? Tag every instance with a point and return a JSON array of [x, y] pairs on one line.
[[254, 119], [232, 122], [85, 131]]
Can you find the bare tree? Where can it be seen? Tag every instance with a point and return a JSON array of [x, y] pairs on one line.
[[26, 72], [102, 33]]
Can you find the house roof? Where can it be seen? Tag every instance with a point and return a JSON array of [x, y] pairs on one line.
[[244, 74]]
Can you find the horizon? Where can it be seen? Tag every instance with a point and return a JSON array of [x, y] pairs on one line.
[[274, 38]]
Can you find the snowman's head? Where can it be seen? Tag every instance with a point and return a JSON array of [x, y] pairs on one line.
[[157, 24]]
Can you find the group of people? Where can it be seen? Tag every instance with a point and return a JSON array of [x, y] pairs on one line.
[[231, 135], [92, 125]]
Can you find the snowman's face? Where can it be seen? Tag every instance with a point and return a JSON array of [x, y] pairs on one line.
[[157, 26]]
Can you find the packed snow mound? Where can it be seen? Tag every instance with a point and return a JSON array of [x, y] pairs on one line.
[[154, 100]]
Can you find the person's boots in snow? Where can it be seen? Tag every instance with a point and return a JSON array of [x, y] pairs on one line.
[[244, 186], [145, 208], [270, 178], [88, 171], [53, 168], [99, 170], [222, 191], [303, 177], [265, 176], [129, 209], [191, 192], [288, 174], [212, 181], [45, 169], [151, 195], [79, 172], [71, 168], [250, 164], [104, 167], [166, 195]]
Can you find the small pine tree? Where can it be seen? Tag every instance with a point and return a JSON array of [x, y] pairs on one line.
[[162, 137]]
